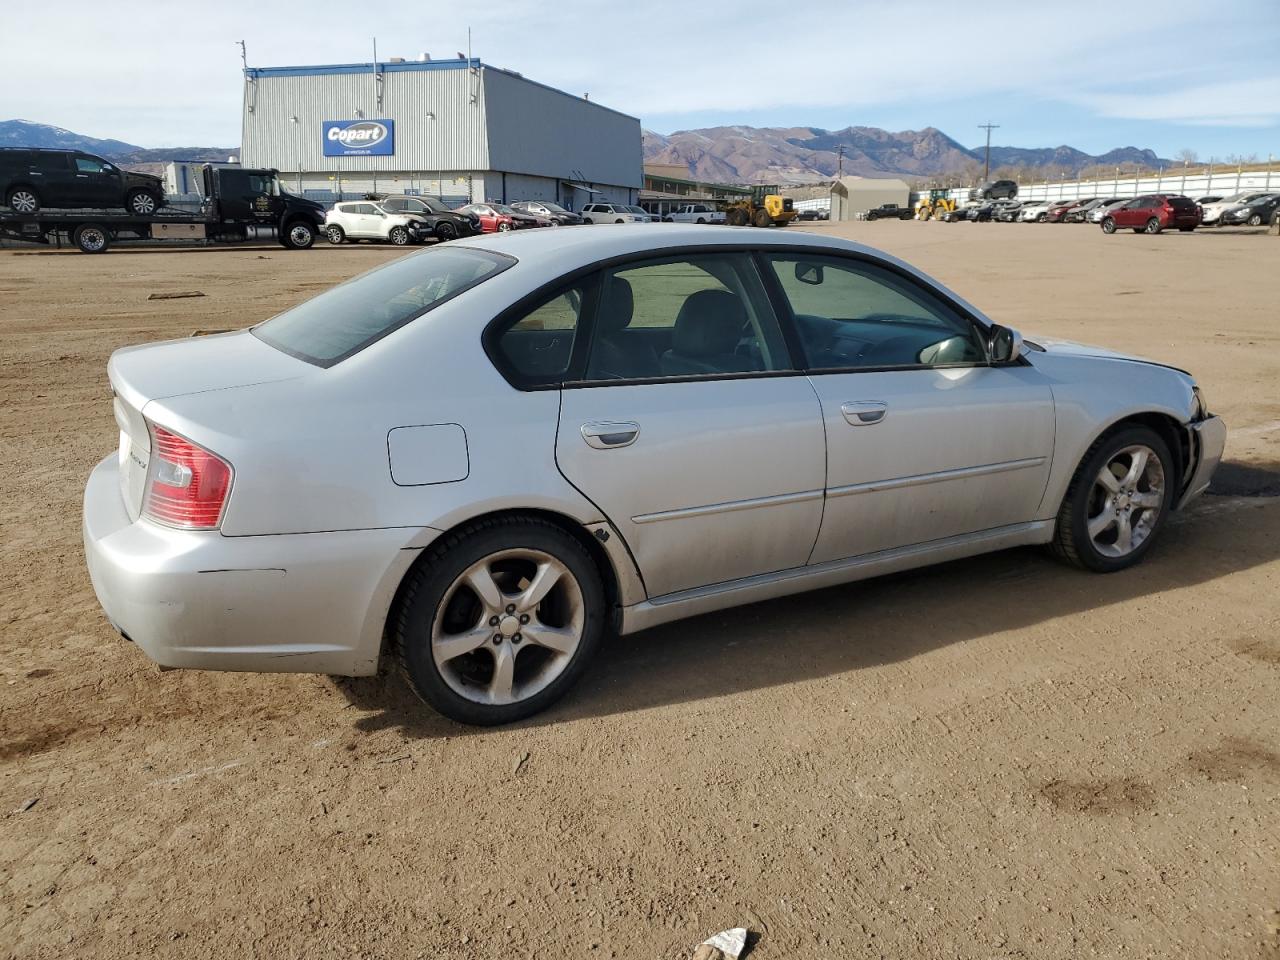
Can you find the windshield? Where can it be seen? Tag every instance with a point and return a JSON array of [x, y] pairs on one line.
[[344, 320], [503, 208], [553, 207], [638, 210]]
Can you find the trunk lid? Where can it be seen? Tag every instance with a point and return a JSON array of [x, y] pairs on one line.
[[174, 368]]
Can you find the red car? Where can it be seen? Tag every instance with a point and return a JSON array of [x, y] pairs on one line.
[[1059, 210], [491, 219], [1154, 213]]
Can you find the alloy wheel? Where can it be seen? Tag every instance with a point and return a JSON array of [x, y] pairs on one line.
[[508, 626], [143, 204], [24, 201], [1125, 501]]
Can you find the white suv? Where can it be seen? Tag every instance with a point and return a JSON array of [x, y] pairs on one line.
[[613, 213], [366, 220]]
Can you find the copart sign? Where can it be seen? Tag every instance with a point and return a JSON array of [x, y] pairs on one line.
[[359, 138]]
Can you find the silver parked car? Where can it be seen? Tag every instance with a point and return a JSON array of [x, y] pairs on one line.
[[481, 459]]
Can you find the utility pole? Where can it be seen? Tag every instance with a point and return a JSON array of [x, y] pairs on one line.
[[986, 167], [840, 161]]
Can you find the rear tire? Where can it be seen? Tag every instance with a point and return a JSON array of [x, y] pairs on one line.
[[1042, 218], [440, 612], [23, 200], [761, 219], [335, 234], [91, 238], [1255, 220], [1153, 226], [1143, 502]]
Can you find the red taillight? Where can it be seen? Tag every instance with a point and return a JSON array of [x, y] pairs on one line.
[[187, 486]]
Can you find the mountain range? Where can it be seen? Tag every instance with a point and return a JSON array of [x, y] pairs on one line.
[[739, 154], [24, 133], [797, 155]]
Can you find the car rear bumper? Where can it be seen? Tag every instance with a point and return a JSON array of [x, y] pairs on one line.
[[297, 603], [1209, 437]]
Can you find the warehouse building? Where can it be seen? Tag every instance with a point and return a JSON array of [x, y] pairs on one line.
[[457, 129], [852, 197]]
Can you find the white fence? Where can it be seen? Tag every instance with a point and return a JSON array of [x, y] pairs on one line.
[[1217, 184], [1222, 183]]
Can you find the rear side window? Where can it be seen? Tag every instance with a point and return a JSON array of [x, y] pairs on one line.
[[538, 347], [343, 321]]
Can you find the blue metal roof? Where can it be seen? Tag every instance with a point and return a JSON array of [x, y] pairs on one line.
[[321, 70]]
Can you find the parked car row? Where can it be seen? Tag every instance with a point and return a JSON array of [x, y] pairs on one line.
[[1155, 211], [403, 220]]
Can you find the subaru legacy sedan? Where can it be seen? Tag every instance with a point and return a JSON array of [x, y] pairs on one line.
[[481, 460]]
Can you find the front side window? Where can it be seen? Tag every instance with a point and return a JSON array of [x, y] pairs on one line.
[[90, 165], [344, 320], [691, 316], [851, 314]]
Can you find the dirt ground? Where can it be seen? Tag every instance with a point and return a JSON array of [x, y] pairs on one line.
[[1001, 757]]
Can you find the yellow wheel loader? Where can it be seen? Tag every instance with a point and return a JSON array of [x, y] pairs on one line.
[[765, 208]]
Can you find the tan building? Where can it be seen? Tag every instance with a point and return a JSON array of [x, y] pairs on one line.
[[667, 187], [852, 196]]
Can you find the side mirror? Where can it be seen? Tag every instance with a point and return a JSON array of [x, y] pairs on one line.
[[810, 273], [1004, 345]]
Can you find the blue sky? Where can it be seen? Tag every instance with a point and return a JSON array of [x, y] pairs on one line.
[[1091, 74]]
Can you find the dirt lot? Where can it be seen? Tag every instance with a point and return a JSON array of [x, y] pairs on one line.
[[998, 758]]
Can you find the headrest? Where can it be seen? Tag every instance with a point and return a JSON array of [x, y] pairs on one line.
[[710, 323], [617, 304]]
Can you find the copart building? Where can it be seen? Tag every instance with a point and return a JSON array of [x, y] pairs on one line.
[[457, 129]]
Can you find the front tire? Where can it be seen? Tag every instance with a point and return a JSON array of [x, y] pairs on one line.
[[141, 203], [1117, 501], [761, 219], [399, 236], [298, 235], [1255, 220], [446, 231], [499, 620], [1108, 225]]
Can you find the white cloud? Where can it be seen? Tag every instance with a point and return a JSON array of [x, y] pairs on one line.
[[1245, 103], [178, 81]]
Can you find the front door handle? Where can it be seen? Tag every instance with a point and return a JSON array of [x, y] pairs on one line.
[[606, 435], [864, 413]]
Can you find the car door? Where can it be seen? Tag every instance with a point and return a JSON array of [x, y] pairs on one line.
[[1133, 213], [96, 182], [926, 440], [54, 178], [688, 426]]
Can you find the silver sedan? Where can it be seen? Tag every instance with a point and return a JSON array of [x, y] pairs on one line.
[[482, 459]]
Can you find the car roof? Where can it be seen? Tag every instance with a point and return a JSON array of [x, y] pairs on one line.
[[557, 252]]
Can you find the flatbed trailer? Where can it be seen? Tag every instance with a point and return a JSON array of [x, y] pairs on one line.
[[241, 205]]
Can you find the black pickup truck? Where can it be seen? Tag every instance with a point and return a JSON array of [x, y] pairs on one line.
[[887, 211], [240, 204]]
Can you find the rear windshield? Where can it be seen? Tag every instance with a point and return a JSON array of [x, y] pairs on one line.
[[1182, 203], [343, 321]]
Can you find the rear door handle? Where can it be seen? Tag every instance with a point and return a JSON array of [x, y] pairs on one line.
[[606, 435], [864, 413]]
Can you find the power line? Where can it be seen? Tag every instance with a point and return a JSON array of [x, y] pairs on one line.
[[986, 167]]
